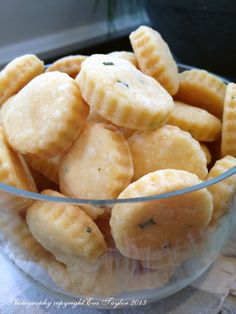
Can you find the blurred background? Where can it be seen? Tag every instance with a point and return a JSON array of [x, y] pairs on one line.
[[201, 33]]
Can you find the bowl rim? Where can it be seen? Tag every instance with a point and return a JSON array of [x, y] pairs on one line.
[[108, 202]]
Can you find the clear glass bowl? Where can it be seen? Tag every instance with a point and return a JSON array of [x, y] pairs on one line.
[[113, 275]]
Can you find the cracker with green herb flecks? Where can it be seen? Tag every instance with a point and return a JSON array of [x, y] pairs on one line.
[[97, 166], [65, 230], [120, 93], [142, 230]]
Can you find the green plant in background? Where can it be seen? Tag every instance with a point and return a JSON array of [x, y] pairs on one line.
[[114, 6]]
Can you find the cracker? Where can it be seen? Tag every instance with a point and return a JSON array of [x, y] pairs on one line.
[[206, 152], [154, 57], [48, 114], [166, 148], [223, 191], [176, 260], [166, 261], [14, 172], [228, 144], [98, 166], [143, 230], [47, 167], [69, 64], [95, 117], [65, 230], [127, 55], [149, 279], [202, 125], [3, 110], [23, 245], [119, 92], [110, 275], [59, 274], [202, 89], [17, 74]]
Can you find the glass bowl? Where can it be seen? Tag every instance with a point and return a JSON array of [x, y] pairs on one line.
[[113, 280]]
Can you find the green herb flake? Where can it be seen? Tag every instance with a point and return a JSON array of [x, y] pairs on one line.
[[233, 97], [108, 63], [123, 83], [147, 223], [89, 230], [99, 169]]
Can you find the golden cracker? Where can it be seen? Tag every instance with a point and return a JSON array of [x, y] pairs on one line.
[[223, 191], [97, 166], [166, 148], [168, 261], [23, 245], [228, 144], [202, 125], [143, 230], [206, 152], [108, 276], [15, 172], [17, 74], [171, 259], [3, 110], [65, 230], [154, 57], [95, 117], [120, 93], [69, 64], [202, 89], [48, 114], [149, 279]]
